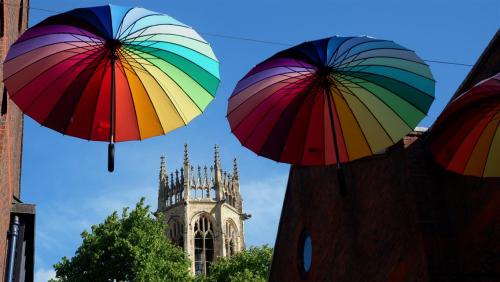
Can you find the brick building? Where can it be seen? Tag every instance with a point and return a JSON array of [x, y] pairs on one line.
[[14, 19], [203, 208], [404, 218]]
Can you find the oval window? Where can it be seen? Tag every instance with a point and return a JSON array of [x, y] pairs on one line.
[[305, 253]]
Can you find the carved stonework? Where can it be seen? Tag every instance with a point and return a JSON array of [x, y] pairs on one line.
[[203, 209]]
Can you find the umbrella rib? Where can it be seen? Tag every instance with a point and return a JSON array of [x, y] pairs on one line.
[[68, 59], [52, 83], [133, 39], [334, 128], [342, 56], [151, 45], [189, 96], [349, 68], [263, 116], [392, 67], [304, 95], [51, 44], [22, 69], [142, 30], [89, 135], [128, 30], [81, 94], [168, 96], [149, 98], [178, 55], [146, 37], [134, 57], [372, 113], [134, 70], [343, 75], [286, 75], [153, 42], [309, 67], [490, 143], [119, 29], [143, 17], [101, 40], [131, 97], [385, 56], [448, 116], [459, 112], [270, 85], [360, 86], [306, 127], [354, 56], [333, 58], [345, 53], [180, 87], [22, 40]]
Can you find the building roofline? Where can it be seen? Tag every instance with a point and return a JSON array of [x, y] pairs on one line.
[[486, 66]]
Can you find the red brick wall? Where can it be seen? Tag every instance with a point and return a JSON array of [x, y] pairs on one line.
[[403, 219], [11, 132], [370, 235]]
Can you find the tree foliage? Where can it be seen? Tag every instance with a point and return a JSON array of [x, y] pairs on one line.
[[132, 247], [250, 265]]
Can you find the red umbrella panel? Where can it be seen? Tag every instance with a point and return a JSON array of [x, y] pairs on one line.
[[466, 137]]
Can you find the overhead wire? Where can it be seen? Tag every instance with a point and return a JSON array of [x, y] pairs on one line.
[[241, 38]]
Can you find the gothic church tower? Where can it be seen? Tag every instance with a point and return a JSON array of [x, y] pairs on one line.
[[203, 209]]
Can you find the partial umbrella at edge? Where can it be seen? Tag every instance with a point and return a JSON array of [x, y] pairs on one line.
[[466, 137], [366, 92]]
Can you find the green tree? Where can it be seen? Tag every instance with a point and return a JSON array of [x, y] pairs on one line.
[[250, 265], [131, 248]]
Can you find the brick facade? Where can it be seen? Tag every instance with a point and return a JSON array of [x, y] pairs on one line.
[[404, 219], [11, 127]]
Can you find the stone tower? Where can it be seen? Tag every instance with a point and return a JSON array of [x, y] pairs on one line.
[[203, 209]]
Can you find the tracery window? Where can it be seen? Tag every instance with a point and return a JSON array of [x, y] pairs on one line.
[[203, 245], [231, 238], [176, 233]]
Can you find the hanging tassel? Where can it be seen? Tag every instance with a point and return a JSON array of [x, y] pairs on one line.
[[4, 101], [111, 157]]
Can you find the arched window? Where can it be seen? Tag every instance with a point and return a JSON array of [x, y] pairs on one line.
[[176, 232], [203, 245], [231, 238]]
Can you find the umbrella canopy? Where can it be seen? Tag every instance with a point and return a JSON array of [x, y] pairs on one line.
[[466, 136], [111, 73], [61, 71], [330, 101]]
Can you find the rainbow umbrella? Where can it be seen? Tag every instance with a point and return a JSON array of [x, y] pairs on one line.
[[111, 73], [330, 101], [466, 136]]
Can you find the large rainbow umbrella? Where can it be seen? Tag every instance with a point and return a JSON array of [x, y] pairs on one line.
[[331, 101], [466, 137], [111, 73]]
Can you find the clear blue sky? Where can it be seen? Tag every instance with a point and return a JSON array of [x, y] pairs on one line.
[[67, 178]]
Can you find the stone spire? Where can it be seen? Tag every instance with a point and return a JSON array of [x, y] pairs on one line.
[[216, 156], [162, 187], [236, 184], [163, 170], [186, 157], [235, 169], [217, 174], [187, 173]]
